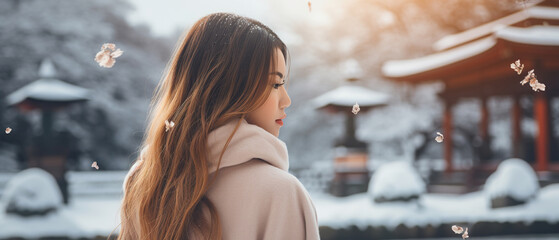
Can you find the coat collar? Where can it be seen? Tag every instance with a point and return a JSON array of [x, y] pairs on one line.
[[248, 142]]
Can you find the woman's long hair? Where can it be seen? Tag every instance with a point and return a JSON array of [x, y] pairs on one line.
[[220, 71]]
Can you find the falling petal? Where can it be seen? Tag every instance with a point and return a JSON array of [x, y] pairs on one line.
[[457, 229], [355, 109], [105, 60], [533, 81], [516, 66], [439, 139], [310, 8], [110, 62], [94, 165], [100, 55], [110, 46], [106, 57], [169, 125], [465, 235], [538, 87], [8, 130], [117, 53], [528, 77]]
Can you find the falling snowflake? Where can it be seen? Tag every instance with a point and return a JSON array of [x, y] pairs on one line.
[[531, 78], [8, 130], [169, 125], [465, 234], [356, 108], [517, 67], [106, 57], [439, 139], [457, 229], [94, 165]]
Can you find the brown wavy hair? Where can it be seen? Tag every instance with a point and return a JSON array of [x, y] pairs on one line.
[[220, 71]]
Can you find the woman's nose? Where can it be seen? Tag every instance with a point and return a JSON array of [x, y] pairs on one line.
[[285, 100]]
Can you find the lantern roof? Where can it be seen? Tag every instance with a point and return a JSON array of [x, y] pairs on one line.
[[349, 95], [48, 89]]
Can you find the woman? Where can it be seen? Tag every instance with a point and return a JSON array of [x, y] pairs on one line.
[[220, 172]]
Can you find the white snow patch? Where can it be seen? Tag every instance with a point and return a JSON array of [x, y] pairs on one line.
[[514, 177], [397, 179], [33, 190], [536, 35], [349, 95], [401, 68], [434, 209], [83, 218], [549, 13], [47, 69], [50, 225], [48, 89], [87, 215], [351, 67]]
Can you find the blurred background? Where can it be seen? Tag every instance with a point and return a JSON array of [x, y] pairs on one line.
[[414, 67]]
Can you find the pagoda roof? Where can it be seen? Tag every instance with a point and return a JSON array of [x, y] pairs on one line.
[[483, 54], [536, 12], [410, 67], [535, 35]]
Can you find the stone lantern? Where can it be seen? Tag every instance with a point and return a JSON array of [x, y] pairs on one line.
[[350, 164], [49, 150]]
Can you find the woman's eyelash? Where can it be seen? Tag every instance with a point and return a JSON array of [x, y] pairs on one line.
[[277, 85]]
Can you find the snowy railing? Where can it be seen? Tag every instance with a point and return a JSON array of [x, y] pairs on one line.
[[314, 179], [85, 183], [90, 183]]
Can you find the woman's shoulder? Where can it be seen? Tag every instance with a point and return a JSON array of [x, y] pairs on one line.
[[260, 177], [131, 172], [266, 173], [259, 196]]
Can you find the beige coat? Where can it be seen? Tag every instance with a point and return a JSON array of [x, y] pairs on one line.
[[255, 197]]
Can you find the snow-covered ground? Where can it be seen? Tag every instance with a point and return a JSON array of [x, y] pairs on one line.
[[84, 217], [514, 178], [505, 237], [434, 209], [90, 215], [93, 209], [394, 180]]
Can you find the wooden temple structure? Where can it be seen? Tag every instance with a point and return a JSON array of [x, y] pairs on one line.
[[475, 64]]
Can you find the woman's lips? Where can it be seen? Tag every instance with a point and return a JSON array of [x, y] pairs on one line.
[[279, 121]]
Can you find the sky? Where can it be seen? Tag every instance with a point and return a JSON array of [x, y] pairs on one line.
[[167, 16]]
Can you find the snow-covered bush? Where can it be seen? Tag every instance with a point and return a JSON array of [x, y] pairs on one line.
[[514, 182], [32, 192], [396, 181]]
